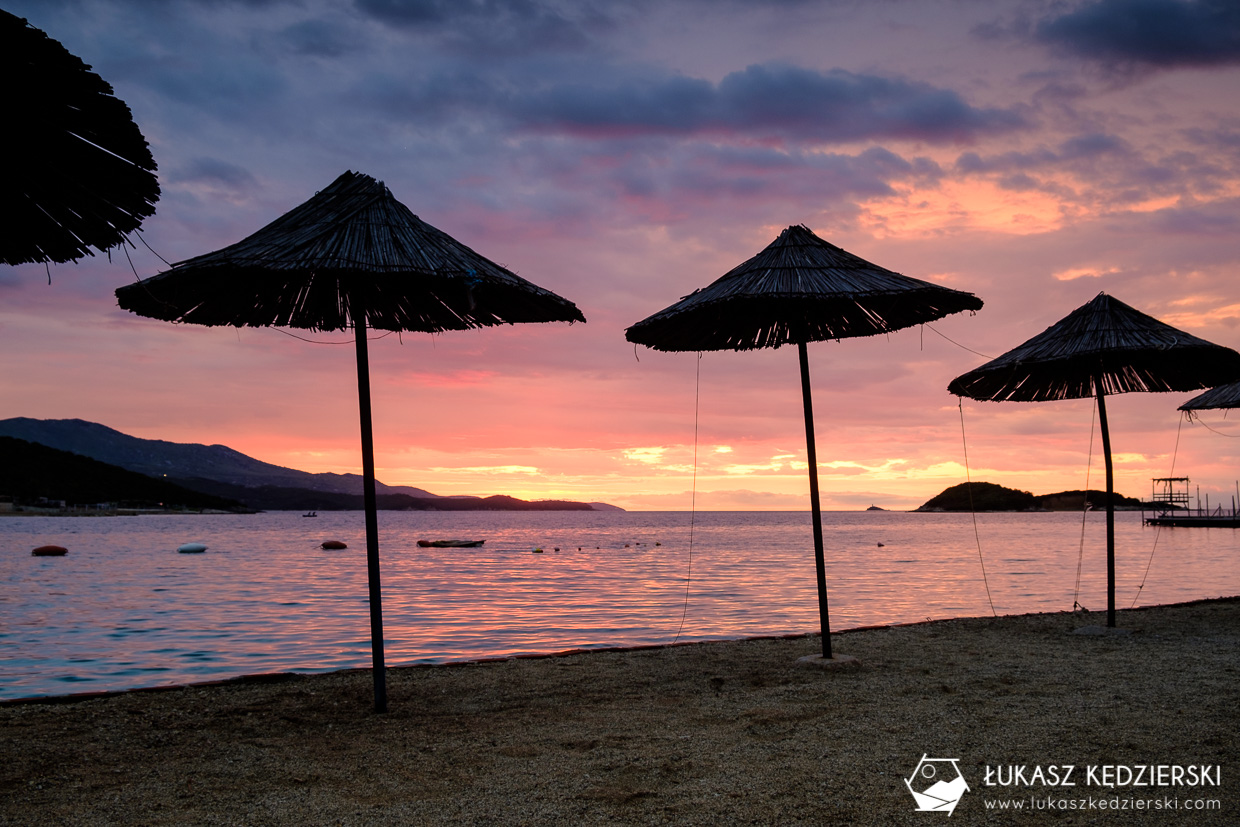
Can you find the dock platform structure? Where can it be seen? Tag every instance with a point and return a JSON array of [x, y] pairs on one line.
[[1169, 504]]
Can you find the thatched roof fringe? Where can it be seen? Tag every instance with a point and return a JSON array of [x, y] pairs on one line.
[[1224, 396], [774, 320]]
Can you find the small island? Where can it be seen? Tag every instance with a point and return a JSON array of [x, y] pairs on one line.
[[987, 496]]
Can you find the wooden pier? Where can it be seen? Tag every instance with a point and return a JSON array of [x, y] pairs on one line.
[[1169, 503]]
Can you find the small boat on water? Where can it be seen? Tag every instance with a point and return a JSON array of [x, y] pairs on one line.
[[191, 548], [450, 543], [311, 514]]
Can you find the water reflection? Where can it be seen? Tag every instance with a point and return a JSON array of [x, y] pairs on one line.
[[124, 609]]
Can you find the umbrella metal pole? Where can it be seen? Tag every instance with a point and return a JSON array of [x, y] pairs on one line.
[[372, 518], [815, 506], [1106, 450]]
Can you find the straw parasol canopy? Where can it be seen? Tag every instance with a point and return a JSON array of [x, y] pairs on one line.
[[1104, 340], [1103, 347], [799, 289], [1224, 396], [80, 173], [351, 256], [352, 252]]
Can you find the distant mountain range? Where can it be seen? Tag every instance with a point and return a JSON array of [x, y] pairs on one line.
[[180, 460], [223, 472], [43, 477]]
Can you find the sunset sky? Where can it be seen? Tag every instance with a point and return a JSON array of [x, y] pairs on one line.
[[623, 153]]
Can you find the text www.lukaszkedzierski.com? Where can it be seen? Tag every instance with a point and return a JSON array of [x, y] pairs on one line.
[[1094, 803]]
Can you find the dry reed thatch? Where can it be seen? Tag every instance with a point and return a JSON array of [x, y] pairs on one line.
[[1104, 340], [80, 173], [800, 288], [351, 249], [1224, 396]]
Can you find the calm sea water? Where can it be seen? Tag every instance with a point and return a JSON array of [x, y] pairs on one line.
[[124, 609]]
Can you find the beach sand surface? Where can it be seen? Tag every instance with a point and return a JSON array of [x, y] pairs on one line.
[[702, 734]]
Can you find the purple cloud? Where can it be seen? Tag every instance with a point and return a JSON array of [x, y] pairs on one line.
[[495, 26], [763, 102], [321, 38], [216, 173], [1161, 33], [1072, 152]]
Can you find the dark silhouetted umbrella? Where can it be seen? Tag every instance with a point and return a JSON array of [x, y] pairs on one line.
[[351, 256], [1102, 348], [1224, 396], [79, 173], [799, 289]]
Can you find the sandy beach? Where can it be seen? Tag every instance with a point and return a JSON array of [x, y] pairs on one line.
[[715, 733]]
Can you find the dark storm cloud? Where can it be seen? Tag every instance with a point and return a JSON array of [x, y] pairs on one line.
[[765, 101], [1161, 33]]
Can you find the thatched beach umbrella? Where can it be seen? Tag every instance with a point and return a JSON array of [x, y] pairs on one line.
[[1102, 348], [1224, 396], [351, 256], [78, 172], [799, 289]]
